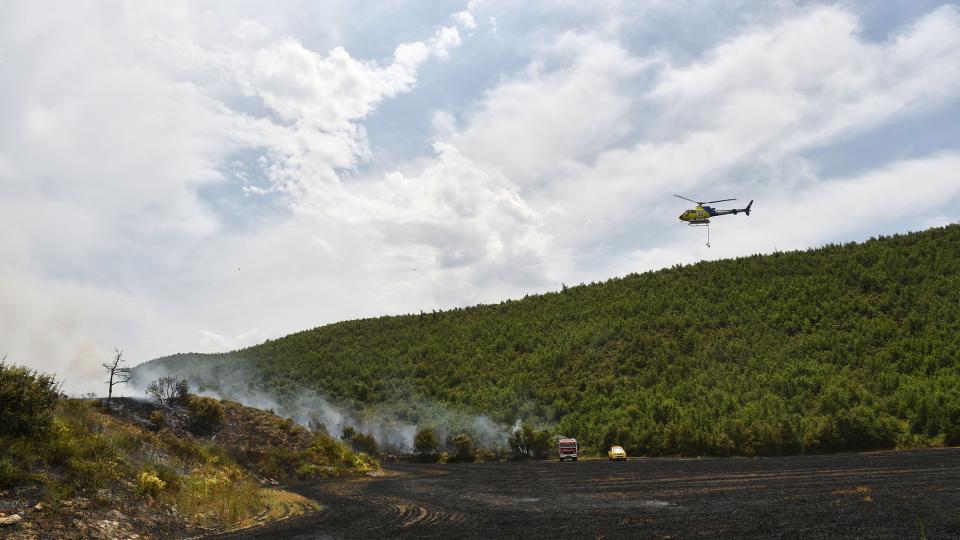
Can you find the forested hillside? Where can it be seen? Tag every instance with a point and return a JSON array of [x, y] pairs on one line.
[[843, 347]]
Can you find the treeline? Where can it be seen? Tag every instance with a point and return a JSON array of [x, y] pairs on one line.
[[844, 347]]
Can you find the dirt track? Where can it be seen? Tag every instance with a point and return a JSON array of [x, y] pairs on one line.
[[870, 495]]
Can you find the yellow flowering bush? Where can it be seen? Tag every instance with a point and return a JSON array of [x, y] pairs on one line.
[[149, 484], [363, 463]]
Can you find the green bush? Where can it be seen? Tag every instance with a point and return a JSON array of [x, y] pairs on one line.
[[10, 475], [465, 450], [27, 401], [169, 475], [529, 442], [363, 442], [206, 415], [328, 449], [426, 444], [308, 471]]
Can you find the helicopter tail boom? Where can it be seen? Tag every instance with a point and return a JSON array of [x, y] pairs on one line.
[[733, 211]]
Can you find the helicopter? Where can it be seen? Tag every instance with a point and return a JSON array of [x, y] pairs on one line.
[[700, 216]]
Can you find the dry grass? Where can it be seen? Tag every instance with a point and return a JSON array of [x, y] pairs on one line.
[[282, 504], [216, 497], [275, 505]]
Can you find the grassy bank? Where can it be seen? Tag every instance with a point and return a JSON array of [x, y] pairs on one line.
[[156, 465]]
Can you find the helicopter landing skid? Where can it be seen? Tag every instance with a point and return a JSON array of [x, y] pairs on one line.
[[707, 225]]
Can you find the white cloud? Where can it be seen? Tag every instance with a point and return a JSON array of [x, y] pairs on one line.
[[114, 120], [445, 39], [330, 92], [127, 135], [813, 78], [7, 170], [885, 195], [465, 19], [567, 105], [468, 216], [596, 138]]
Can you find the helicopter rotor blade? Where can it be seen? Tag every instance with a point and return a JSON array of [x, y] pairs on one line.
[[684, 198], [721, 200]]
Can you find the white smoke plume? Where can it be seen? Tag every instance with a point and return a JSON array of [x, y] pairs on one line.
[[231, 378]]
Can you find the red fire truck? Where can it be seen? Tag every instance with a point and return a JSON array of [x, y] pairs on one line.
[[568, 449]]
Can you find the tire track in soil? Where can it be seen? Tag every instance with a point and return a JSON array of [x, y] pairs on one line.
[[405, 512]]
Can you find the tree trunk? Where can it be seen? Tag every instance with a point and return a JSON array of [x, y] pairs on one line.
[[110, 389]]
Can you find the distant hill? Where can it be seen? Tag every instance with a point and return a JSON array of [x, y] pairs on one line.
[[850, 346]]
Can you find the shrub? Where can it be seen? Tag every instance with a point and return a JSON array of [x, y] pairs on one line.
[[182, 449], [364, 463], [316, 425], [9, 473], [282, 462], [363, 442], [309, 471], [150, 485], [158, 419], [288, 425], [169, 475], [518, 443], [206, 415], [425, 443], [465, 450], [327, 449], [27, 400], [169, 391], [528, 442], [485, 454]]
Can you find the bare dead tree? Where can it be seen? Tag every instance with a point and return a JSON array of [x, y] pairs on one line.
[[119, 373]]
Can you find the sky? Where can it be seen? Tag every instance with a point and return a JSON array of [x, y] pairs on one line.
[[203, 175]]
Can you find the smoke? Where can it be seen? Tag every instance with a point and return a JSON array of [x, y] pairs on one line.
[[67, 330], [47, 329], [393, 424]]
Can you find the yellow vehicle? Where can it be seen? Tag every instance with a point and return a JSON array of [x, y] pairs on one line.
[[617, 453]]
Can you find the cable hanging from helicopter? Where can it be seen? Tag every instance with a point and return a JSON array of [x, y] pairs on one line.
[[700, 216]]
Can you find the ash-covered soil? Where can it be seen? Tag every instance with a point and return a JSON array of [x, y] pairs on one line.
[[904, 494]]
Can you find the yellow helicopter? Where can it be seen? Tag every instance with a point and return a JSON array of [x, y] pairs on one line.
[[700, 216]]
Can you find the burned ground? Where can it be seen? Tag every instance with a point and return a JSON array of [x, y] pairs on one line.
[[904, 494]]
